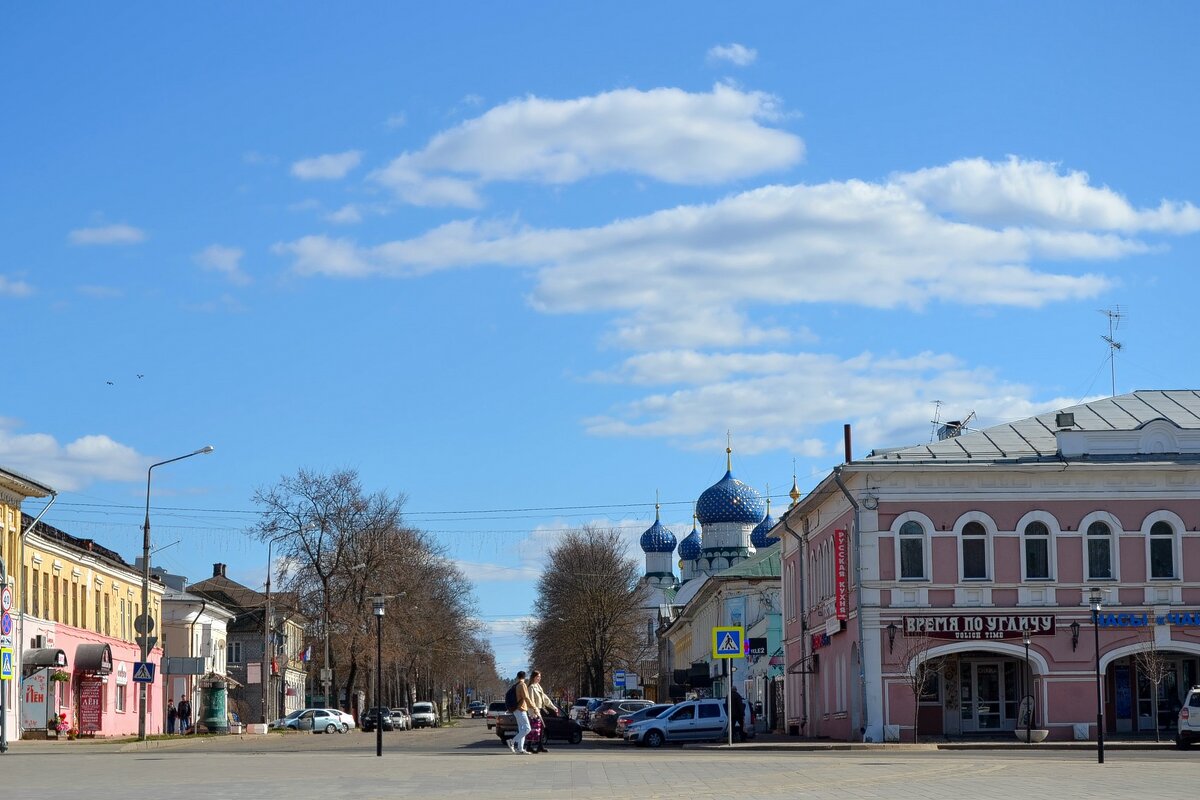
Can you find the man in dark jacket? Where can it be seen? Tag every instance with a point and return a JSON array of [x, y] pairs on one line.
[[739, 712]]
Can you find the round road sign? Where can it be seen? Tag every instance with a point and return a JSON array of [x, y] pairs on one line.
[[6, 599], [143, 624], [5, 624]]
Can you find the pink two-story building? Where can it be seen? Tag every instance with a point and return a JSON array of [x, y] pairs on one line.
[[956, 552]]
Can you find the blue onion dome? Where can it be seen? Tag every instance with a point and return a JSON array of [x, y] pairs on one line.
[[730, 500], [657, 538], [689, 548], [761, 536]]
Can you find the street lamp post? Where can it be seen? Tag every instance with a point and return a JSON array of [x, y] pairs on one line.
[[145, 636], [1025, 637], [266, 668], [1094, 597], [377, 604]]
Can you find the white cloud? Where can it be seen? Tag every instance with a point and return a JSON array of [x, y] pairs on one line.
[[790, 400], [666, 134], [11, 287], [107, 234], [397, 120], [736, 54], [1017, 192], [225, 260], [685, 276], [327, 167], [71, 466], [346, 215]]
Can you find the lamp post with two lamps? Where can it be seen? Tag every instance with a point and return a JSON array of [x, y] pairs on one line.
[[267, 660], [145, 619], [1095, 597]]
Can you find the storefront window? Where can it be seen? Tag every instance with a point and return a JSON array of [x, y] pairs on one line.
[[974, 551], [1037, 552], [1099, 551], [1162, 550]]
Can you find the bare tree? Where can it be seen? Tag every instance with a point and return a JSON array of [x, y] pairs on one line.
[[921, 673], [589, 610], [1154, 667]]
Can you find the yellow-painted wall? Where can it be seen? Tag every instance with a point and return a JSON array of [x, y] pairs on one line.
[[72, 587]]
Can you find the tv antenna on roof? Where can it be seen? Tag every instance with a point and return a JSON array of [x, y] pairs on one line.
[[1115, 316], [937, 418]]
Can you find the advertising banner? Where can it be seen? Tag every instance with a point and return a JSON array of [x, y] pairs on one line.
[[33, 700], [91, 706], [841, 572]]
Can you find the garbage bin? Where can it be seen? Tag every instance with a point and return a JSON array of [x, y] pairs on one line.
[[212, 706]]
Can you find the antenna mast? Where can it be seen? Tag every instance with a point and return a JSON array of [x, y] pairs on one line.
[[1114, 322], [937, 418]]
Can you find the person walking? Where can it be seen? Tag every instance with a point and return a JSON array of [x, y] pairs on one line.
[[184, 713], [539, 701], [521, 715], [170, 716]]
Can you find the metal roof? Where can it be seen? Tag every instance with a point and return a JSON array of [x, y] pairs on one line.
[[1033, 437]]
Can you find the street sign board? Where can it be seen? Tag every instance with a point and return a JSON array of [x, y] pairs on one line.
[[143, 672], [6, 599], [143, 623], [727, 641], [6, 664], [149, 640], [181, 665], [619, 678]]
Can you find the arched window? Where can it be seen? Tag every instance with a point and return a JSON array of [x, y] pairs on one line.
[[974, 552], [912, 551], [1099, 551], [1037, 552], [1162, 550]]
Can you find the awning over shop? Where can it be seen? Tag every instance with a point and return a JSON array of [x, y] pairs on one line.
[[95, 658], [44, 657]]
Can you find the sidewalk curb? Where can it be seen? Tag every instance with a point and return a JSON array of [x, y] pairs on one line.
[[815, 747]]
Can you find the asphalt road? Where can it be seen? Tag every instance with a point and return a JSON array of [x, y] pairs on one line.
[[469, 761]]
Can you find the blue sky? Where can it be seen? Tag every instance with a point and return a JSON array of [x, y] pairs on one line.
[[527, 263]]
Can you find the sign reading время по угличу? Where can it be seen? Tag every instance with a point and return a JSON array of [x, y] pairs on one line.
[[979, 626]]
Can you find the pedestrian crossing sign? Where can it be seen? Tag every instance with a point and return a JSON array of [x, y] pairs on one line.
[[727, 642], [143, 672], [6, 664]]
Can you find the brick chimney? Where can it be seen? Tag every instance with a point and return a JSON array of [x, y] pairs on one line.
[[218, 570]]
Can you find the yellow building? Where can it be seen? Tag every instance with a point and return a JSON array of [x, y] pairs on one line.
[[79, 601]]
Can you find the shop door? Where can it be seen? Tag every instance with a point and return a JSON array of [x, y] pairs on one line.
[[982, 697]]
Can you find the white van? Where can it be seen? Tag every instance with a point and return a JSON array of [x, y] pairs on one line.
[[423, 716]]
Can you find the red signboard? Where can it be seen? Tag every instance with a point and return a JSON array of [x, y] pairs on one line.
[[841, 571], [91, 706]]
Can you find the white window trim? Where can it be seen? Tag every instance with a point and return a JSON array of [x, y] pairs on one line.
[[1114, 553], [926, 545], [1051, 523], [989, 527], [1171, 518]]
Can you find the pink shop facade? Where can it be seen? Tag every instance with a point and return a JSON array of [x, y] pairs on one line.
[[947, 554], [99, 697]]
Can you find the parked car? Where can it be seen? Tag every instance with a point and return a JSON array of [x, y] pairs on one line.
[[690, 721], [318, 720], [494, 710], [625, 720], [1188, 725], [401, 719], [578, 711], [477, 709], [556, 728], [372, 716], [586, 716], [604, 718], [424, 716]]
